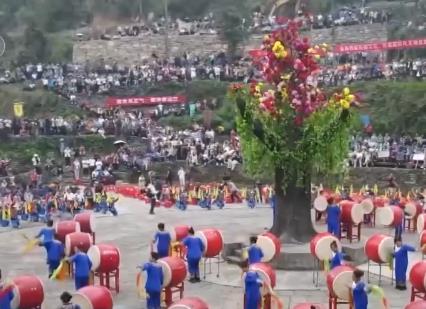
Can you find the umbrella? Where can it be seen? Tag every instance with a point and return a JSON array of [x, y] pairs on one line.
[[120, 142]]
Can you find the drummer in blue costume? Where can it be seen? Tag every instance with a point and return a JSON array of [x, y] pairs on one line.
[[6, 294], [47, 233], [252, 297], [359, 290], [333, 217], [55, 253], [337, 257], [401, 263], [154, 282], [162, 239], [255, 253], [195, 249], [82, 268]]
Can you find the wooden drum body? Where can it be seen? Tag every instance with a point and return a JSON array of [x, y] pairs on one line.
[[105, 258], [86, 221], [351, 212], [63, 228], [28, 292], [390, 216], [378, 248], [190, 303], [212, 240], [78, 239], [179, 232], [339, 281], [93, 297], [418, 276], [174, 271]]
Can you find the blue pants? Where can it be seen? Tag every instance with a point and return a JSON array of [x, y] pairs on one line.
[[113, 210], [194, 266], [252, 301], [52, 266], [15, 223], [251, 202], [334, 228], [154, 300], [81, 282], [398, 230]]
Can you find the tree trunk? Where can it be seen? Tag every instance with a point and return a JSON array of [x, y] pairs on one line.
[[292, 215]]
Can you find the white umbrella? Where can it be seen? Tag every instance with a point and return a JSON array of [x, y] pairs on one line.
[[119, 142]]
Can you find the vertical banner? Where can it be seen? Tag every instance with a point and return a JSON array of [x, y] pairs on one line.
[[18, 109]]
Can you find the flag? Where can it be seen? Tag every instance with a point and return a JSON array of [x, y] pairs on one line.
[[140, 286], [57, 271], [378, 292], [375, 189], [337, 191], [351, 190], [326, 265]]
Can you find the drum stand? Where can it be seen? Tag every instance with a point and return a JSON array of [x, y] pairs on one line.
[[371, 263], [349, 234], [410, 224], [169, 291], [209, 261], [318, 266], [417, 294], [370, 219], [333, 301], [104, 279]]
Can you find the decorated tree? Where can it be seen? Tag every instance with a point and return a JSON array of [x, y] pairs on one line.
[[291, 128]]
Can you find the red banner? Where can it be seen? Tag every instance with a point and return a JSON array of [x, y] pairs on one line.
[[143, 101], [379, 46]]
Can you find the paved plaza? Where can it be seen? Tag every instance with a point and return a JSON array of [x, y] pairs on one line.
[[132, 232]]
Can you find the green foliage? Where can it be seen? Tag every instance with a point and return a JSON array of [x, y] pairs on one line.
[[35, 46]]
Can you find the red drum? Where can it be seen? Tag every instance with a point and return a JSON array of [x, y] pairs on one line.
[[309, 306], [63, 228], [421, 304], [105, 258], [421, 223], [270, 245], [352, 212], [380, 201], [212, 240], [78, 239], [379, 248], [93, 297], [390, 216], [28, 292], [266, 273], [367, 205], [418, 276], [87, 222], [320, 203], [320, 245], [179, 232], [412, 210], [339, 281], [174, 271], [190, 303]]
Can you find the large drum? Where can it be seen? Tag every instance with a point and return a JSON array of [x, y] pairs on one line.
[[418, 276], [320, 245], [28, 292], [412, 210], [93, 297], [320, 203], [105, 258], [179, 232], [351, 212], [421, 304], [87, 222], [421, 223], [212, 240], [367, 205], [379, 248], [390, 216], [190, 303], [339, 281], [270, 245], [174, 271], [266, 273], [78, 239], [380, 201], [309, 306], [63, 228]]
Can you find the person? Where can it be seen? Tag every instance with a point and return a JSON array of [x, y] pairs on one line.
[[235, 197], [336, 256], [66, 302], [182, 201], [169, 177], [6, 294], [401, 263], [252, 296], [359, 290], [220, 198], [111, 200], [141, 183], [195, 249], [55, 253], [82, 267], [254, 252], [251, 198], [152, 195], [47, 233], [163, 240], [181, 175], [333, 217], [154, 282]]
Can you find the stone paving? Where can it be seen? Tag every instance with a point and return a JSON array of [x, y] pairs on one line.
[[132, 232]]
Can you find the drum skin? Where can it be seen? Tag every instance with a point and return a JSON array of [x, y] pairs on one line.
[[28, 292], [390, 216], [418, 276], [105, 258], [190, 303], [212, 240], [93, 297], [378, 248], [87, 222], [174, 271], [63, 228], [320, 203], [78, 239], [421, 223], [320, 245], [367, 205], [270, 245], [339, 279], [421, 304]]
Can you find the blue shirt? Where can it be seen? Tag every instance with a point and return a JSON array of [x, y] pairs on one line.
[[252, 285], [6, 299], [333, 214], [195, 247], [163, 240], [55, 250], [154, 281], [255, 254], [47, 233], [336, 260], [360, 296], [82, 264]]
